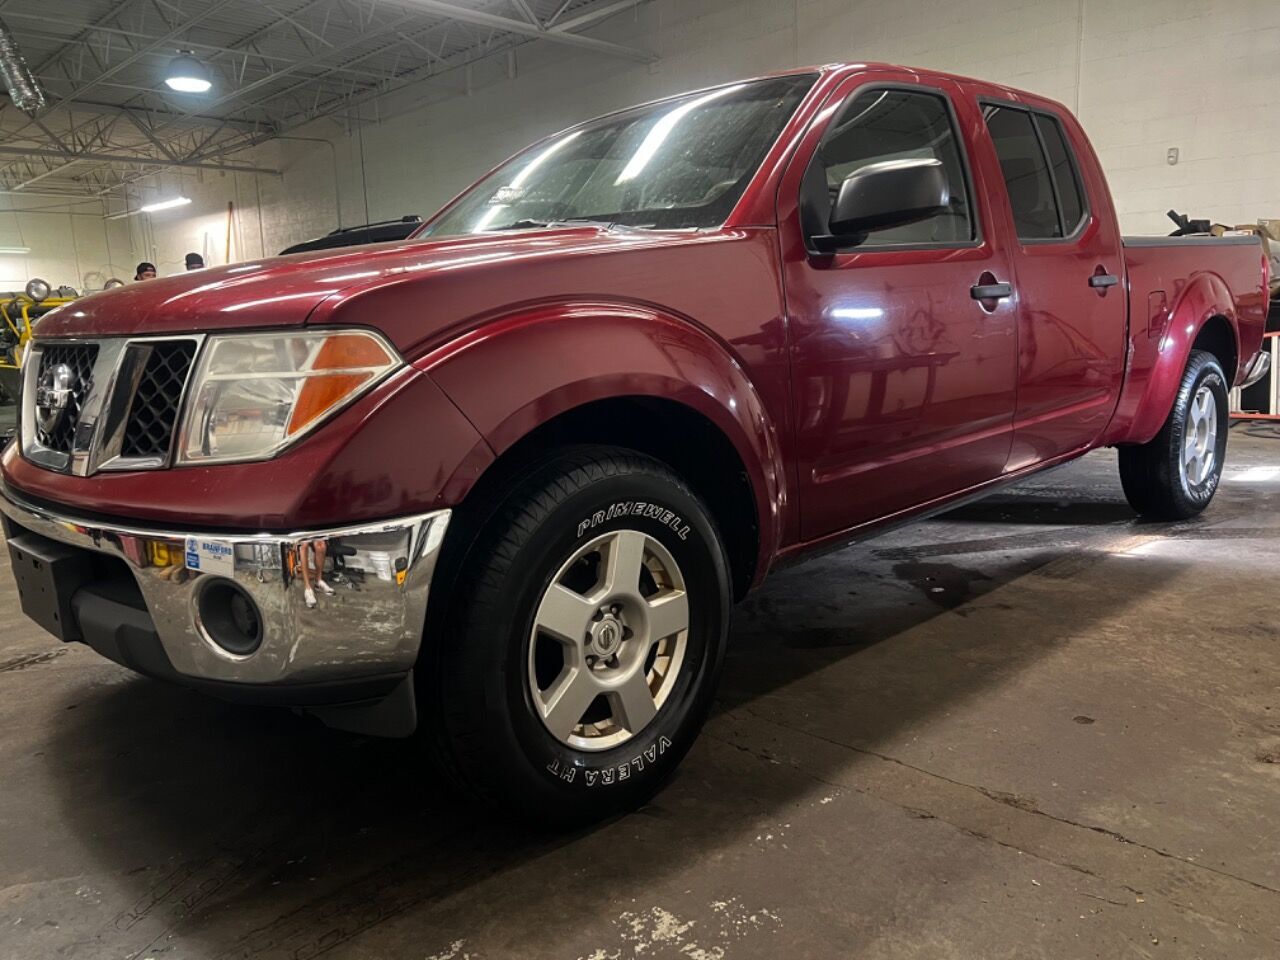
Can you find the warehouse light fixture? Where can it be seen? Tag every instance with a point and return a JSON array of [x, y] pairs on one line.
[[14, 251], [186, 74], [165, 204]]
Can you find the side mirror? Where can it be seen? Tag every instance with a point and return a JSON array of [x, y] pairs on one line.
[[888, 194]]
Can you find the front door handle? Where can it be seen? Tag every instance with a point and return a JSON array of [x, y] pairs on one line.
[[1103, 280], [991, 291]]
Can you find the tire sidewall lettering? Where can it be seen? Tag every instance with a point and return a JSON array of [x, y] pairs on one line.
[[613, 774], [635, 508], [1203, 492]]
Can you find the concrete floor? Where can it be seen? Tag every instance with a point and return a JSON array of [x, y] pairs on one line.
[[1033, 728]]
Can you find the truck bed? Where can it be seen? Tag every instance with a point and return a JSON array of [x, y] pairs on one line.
[[1176, 286], [1195, 240]]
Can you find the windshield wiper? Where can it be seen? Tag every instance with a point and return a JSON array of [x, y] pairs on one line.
[[546, 224]]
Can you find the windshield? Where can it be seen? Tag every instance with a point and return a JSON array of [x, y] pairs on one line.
[[676, 164]]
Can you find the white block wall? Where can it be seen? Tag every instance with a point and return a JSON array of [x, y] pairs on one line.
[[69, 245], [1144, 75]]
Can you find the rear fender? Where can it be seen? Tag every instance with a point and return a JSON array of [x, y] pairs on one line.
[[516, 373], [1156, 367]]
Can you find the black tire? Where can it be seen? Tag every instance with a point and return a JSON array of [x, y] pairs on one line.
[[1153, 475], [486, 729]]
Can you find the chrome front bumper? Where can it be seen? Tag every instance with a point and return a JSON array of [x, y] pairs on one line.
[[371, 626]]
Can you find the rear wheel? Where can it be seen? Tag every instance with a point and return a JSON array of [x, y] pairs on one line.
[[586, 635], [1175, 475]]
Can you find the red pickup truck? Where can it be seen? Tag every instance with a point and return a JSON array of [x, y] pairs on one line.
[[501, 481]]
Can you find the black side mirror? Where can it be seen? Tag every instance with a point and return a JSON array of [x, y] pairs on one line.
[[888, 194]]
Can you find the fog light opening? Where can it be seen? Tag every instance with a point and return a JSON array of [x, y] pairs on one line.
[[230, 618]]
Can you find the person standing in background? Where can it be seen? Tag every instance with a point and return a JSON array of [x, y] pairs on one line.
[[145, 271], [195, 261]]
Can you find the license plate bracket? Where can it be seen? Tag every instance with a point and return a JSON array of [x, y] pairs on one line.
[[48, 574]]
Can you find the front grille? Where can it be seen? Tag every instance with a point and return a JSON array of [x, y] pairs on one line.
[[79, 358], [154, 413]]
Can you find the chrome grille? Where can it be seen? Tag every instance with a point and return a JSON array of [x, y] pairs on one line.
[[79, 358], [123, 398], [153, 415]]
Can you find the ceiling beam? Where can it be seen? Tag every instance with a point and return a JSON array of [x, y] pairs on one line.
[[195, 119], [139, 53], [560, 11], [67, 46], [171, 133], [51, 171], [594, 15], [523, 6], [93, 156], [420, 74], [510, 25], [197, 46], [134, 57], [51, 195]]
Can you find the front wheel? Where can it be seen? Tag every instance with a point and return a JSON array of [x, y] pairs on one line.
[[1175, 475], [587, 633]]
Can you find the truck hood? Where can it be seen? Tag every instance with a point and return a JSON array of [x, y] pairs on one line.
[[283, 291]]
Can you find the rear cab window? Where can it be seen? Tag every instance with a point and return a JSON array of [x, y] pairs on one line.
[[1041, 177]]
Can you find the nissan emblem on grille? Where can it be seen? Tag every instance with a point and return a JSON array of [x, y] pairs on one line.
[[53, 396], [60, 385]]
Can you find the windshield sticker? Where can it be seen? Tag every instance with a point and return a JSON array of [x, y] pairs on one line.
[[506, 195]]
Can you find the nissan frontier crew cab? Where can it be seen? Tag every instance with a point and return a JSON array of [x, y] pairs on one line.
[[498, 484]]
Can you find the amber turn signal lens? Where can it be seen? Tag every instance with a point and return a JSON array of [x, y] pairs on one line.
[[354, 358], [350, 351], [319, 395]]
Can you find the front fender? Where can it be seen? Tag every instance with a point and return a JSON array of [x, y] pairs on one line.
[[552, 358], [1156, 364]]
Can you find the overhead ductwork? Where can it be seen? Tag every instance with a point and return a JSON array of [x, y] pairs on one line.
[[24, 91]]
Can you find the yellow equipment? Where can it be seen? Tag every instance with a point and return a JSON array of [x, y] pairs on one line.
[[18, 315]]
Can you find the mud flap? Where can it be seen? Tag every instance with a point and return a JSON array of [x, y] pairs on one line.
[[395, 715]]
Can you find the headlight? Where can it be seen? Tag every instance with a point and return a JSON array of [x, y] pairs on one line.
[[37, 289], [255, 394]]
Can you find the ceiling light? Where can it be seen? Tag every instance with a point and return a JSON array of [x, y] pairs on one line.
[[165, 204], [14, 251], [186, 74]]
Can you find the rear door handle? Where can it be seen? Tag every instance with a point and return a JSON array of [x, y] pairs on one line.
[[991, 291], [1103, 280]]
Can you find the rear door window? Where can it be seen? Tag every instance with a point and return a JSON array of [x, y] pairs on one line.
[[1040, 175], [1065, 175]]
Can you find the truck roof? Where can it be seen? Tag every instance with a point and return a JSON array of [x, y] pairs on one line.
[[839, 69]]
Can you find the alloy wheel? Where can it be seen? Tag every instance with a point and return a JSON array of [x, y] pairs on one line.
[[608, 640], [1200, 442]]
